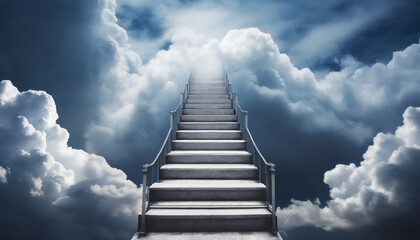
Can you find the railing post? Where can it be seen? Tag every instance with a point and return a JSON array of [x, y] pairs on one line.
[[182, 101], [268, 185], [273, 197], [235, 103], [186, 92], [142, 229], [172, 124], [246, 119]]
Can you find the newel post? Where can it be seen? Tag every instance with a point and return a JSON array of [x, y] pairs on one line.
[[144, 197], [272, 171]]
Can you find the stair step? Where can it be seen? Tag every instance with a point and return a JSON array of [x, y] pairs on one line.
[[208, 204], [209, 105], [207, 111], [208, 171], [207, 190], [208, 145], [208, 220], [208, 157], [209, 100], [208, 125], [197, 79], [208, 84], [208, 92], [208, 118], [207, 96], [200, 87], [208, 134]]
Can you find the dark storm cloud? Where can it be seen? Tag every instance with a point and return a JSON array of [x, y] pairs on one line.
[[395, 31], [55, 46], [141, 23]]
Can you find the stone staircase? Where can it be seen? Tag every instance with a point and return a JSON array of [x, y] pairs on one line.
[[208, 182]]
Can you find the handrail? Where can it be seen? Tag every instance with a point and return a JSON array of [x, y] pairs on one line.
[[266, 170], [153, 169]]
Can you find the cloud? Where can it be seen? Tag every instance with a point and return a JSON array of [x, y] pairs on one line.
[[341, 111], [311, 33], [80, 192], [383, 188], [119, 100], [3, 173]]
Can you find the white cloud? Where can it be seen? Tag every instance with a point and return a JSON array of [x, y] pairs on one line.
[[309, 32], [41, 166], [386, 184], [3, 173]]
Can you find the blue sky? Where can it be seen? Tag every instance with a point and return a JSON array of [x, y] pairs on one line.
[[331, 86]]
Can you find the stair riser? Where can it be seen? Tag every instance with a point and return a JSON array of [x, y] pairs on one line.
[[208, 135], [208, 96], [249, 174], [212, 105], [208, 126], [208, 111], [185, 224], [226, 101], [208, 146], [207, 195], [208, 118], [208, 159]]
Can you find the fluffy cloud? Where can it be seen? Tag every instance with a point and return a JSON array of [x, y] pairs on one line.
[[79, 192], [348, 101], [384, 187], [309, 123], [309, 32], [344, 108], [135, 98], [3, 172]]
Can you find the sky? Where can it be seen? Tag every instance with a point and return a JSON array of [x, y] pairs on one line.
[[332, 89]]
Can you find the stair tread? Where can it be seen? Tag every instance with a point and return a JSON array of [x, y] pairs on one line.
[[209, 166], [209, 141], [205, 213], [207, 204], [206, 184], [208, 152], [209, 131], [212, 123]]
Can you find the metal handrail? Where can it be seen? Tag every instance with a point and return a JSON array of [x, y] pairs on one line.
[[266, 170], [152, 169]]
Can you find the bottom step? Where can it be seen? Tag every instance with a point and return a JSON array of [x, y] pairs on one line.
[[207, 236], [208, 220]]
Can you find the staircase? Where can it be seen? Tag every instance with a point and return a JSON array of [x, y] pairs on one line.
[[208, 176]]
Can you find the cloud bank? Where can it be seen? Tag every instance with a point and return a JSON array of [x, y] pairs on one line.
[[119, 101], [45, 184], [384, 187]]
